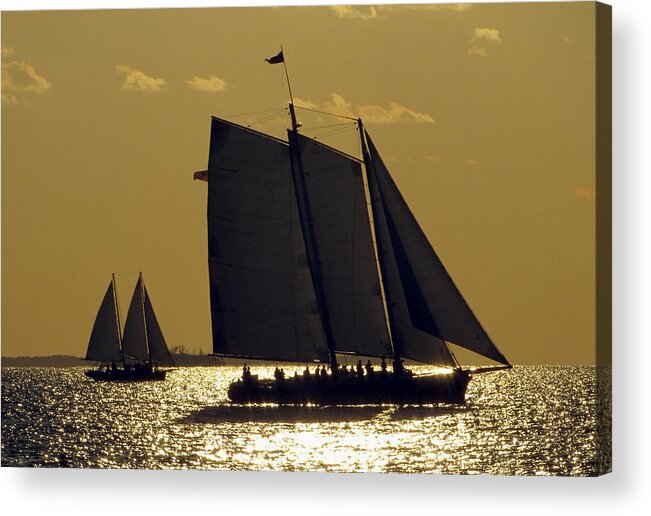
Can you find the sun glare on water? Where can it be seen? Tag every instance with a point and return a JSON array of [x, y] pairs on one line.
[[531, 420]]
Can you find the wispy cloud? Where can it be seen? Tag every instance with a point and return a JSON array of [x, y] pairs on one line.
[[8, 98], [476, 50], [374, 12], [585, 192], [361, 12], [208, 84], [484, 33], [370, 113], [393, 113], [19, 77], [471, 162], [482, 39], [136, 80], [432, 7]]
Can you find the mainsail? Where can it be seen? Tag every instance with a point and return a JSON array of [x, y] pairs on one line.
[[262, 298], [134, 343], [434, 303], [104, 345], [143, 339], [338, 215]]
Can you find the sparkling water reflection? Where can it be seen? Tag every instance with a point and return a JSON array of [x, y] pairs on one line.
[[533, 420]]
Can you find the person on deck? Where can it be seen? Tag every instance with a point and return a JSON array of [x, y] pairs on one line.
[[360, 370], [383, 365], [369, 368]]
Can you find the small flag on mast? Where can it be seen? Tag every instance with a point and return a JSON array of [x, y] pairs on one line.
[[279, 58], [201, 175]]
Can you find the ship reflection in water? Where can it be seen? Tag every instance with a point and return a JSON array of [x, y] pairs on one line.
[[533, 420]]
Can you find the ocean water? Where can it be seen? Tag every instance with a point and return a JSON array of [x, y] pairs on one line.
[[532, 420]]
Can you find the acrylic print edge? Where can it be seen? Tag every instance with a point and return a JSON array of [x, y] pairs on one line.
[[603, 237]]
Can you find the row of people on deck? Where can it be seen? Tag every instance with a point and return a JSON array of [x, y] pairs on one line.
[[321, 372], [359, 369], [137, 368]]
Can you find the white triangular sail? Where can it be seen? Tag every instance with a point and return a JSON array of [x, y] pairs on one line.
[[338, 214], [104, 344], [262, 298], [158, 352], [134, 342], [434, 302]]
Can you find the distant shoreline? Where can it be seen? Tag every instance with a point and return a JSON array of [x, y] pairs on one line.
[[183, 360], [188, 360]]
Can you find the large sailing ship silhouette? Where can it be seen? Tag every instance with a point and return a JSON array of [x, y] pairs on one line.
[[300, 271]]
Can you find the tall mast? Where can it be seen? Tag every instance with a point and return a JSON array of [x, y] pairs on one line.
[[292, 113], [117, 313], [144, 318], [305, 216], [371, 170]]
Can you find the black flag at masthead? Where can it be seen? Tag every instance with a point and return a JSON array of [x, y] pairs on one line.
[[278, 58]]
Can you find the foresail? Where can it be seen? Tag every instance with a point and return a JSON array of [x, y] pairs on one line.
[[338, 214], [262, 297], [134, 341], [104, 344], [434, 302], [409, 341], [158, 352]]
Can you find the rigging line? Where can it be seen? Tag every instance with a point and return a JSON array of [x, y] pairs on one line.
[[333, 133], [265, 120], [340, 130], [254, 112], [320, 127], [326, 113], [347, 126]]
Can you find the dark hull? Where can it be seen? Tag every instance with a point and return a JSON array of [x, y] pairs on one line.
[[126, 376], [376, 390]]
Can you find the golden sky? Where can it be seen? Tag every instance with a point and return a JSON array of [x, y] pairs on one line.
[[483, 113]]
